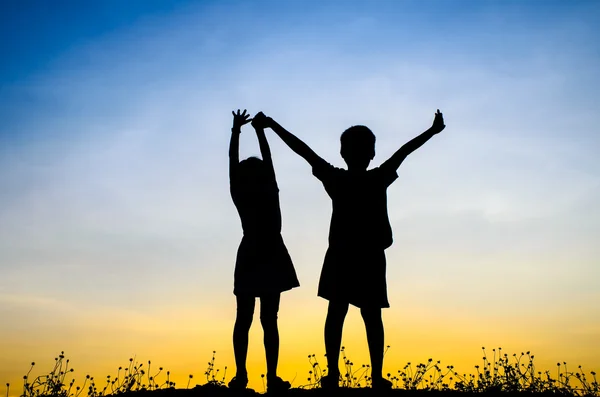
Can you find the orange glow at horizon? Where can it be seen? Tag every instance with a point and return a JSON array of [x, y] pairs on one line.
[[181, 343]]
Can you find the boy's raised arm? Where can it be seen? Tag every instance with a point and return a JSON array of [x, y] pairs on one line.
[[239, 120], [415, 143], [291, 140]]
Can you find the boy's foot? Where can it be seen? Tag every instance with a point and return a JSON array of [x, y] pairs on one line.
[[238, 382], [277, 384], [330, 382], [381, 384]]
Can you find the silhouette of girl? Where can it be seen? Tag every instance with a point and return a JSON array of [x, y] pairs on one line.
[[263, 267]]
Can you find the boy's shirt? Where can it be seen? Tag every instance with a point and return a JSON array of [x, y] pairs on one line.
[[359, 199]]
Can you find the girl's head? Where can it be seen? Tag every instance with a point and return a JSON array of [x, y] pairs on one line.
[[253, 173]]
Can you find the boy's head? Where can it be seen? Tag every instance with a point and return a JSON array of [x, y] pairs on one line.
[[357, 147]]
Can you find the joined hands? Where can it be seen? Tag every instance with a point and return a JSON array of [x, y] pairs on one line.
[[260, 120]]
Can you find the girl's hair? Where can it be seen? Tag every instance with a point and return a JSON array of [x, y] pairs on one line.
[[252, 166], [252, 170], [251, 162]]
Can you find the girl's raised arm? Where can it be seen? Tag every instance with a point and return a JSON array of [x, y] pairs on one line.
[[265, 151], [239, 120]]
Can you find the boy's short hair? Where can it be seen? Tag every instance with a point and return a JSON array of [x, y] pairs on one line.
[[358, 135]]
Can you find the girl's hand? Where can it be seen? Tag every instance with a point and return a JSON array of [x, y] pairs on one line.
[[240, 119]]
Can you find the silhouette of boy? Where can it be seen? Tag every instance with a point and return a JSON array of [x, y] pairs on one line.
[[354, 269]]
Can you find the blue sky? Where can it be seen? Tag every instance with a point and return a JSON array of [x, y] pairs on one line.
[[114, 129]]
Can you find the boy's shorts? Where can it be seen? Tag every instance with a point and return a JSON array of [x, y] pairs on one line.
[[355, 275]]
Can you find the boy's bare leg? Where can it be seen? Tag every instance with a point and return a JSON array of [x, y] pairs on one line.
[[375, 339], [243, 321], [334, 324]]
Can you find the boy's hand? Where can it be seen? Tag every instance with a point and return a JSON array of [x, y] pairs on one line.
[[438, 122], [260, 120], [240, 119]]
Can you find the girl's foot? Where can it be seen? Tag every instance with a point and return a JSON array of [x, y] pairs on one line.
[[330, 381], [381, 384], [277, 384], [238, 382]]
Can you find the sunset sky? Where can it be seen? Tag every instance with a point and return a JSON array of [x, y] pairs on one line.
[[118, 235]]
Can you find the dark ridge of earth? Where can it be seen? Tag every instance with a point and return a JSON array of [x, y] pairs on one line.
[[222, 391]]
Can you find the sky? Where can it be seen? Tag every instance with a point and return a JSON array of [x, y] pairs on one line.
[[118, 235]]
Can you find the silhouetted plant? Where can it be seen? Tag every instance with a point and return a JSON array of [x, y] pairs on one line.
[[262, 376], [350, 378], [360, 377], [128, 379], [501, 373], [52, 384], [498, 373], [314, 374], [212, 374]]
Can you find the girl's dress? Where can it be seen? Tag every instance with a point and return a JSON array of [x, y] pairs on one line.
[[263, 265]]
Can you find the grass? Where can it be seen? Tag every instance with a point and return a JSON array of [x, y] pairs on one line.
[[499, 373]]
